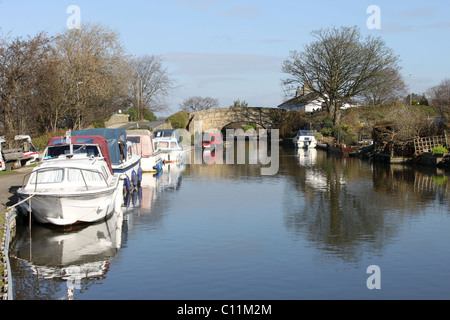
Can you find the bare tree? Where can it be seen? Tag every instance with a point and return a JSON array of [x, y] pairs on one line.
[[150, 84], [390, 88], [439, 96], [95, 70], [198, 103], [50, 101], [20, 61], [339, 65]]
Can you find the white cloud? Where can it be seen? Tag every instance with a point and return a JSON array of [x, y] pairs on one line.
[[426, 12]]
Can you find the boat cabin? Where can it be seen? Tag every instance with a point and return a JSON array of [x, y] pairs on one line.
[[143, 140], [91, 146], [167, 134]]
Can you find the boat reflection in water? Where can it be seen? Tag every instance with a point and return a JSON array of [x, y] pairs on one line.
[[74, 259], [306, 157], [151, 185]]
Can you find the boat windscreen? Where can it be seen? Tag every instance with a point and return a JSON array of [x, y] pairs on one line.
[[56, 151]]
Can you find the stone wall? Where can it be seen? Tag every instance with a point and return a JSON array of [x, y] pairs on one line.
[[219, 118], [116, 119]]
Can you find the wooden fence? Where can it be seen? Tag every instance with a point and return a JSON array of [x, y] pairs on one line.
[[426, 144]]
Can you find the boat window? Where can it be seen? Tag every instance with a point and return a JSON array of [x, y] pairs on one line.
[[173, 145], [56, 151], [88, 150], [74, 175], [163, 144], [105, 173], [47, 176], [134, 139]]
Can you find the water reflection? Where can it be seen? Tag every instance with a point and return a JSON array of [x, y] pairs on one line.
[[251, 234], [67, 260], [59, 262], [344, 206]]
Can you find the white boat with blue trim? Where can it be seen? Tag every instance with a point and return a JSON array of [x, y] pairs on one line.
[[125, 158], [305, 139]]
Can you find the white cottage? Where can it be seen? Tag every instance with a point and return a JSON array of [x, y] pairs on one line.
[[307, 101], [304, 100]]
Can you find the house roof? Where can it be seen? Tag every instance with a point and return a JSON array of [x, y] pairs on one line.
[[300, 100]]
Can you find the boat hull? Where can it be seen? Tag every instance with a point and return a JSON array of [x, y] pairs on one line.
[[305, 144], [173, 156], [64, 209], [132, 171], [152, 163]]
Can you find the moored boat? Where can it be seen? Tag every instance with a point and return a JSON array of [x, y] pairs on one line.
[[74, 184], [168, 142], [125, 158], [171, 151], [305, 139], [151, 160]]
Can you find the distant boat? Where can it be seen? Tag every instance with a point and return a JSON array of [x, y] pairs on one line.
[[168, 142], [340, 149], [74, 183], [211, 139], [305, 139], [151, 160], [125, 158]]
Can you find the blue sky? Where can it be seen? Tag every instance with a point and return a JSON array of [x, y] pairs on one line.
[[233, 50]]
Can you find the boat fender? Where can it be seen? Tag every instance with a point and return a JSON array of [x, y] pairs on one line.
[[127, 184], [158, 166], [140, 175], [134, 178]]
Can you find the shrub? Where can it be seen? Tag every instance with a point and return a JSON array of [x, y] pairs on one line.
[[249, 126], [439, 149], [98, 124], [179, 120], [41, 141], [149, 116]]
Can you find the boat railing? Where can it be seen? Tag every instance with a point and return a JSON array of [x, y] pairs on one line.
[[36, 182]]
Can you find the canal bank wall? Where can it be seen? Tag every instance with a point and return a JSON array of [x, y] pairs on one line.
[[8, 225], [9, 183]]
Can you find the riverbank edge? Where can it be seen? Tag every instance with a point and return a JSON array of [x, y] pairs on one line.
[[4, 266], [7, 227]]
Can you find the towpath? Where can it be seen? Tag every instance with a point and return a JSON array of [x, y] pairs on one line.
[[9, 183]]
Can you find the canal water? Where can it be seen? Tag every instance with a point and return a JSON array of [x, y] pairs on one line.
[[323, 227]]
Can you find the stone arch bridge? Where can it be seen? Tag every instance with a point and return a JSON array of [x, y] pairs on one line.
[[213, 119]]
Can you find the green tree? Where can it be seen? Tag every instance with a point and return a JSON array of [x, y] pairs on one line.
[[149, 116], [179, 120]]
